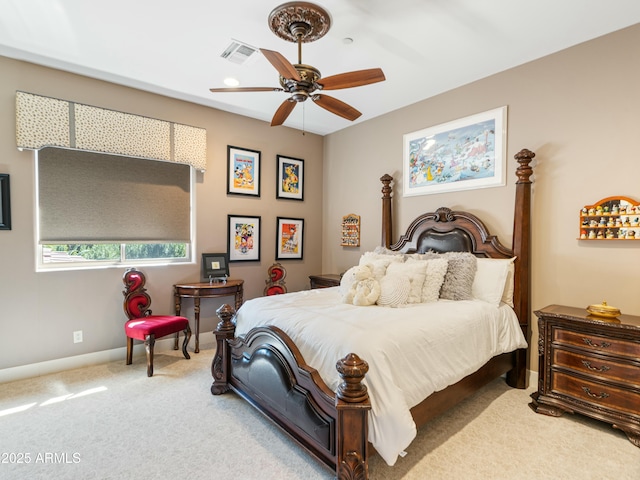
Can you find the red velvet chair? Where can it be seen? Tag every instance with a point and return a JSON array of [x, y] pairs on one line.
[[275, 282], [142, 325]]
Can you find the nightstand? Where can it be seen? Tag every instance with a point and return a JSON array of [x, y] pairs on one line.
[[589, 365], [324, 280]]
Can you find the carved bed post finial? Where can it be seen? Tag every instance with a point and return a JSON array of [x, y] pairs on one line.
[[220, 366], [524, 171], [387, 224], [353, 405]]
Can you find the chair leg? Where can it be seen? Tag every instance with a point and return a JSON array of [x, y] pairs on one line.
[[149, 342], [187, 336], [129, 350], [175, 344]]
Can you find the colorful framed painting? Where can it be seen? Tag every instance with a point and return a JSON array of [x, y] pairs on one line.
[[243, 171], [290, 178], [463, 154], [243, 238], [290, 238]]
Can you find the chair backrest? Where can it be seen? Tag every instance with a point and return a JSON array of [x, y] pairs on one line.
[[136, 299], [275, 282]]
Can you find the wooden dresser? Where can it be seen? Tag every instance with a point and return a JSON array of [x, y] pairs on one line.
[[590, 366], [325, 280]]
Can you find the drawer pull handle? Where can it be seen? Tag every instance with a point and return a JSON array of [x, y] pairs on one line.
[[603, 368], [602, 395], [596, 345]]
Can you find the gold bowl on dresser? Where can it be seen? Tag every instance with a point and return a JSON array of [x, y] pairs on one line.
[[603, 310]]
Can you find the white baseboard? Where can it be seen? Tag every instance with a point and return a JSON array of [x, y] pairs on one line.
[[78, 361]]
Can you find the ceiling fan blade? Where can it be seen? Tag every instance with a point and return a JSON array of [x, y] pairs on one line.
[[247, 89], [336, 106], [281, 64], [352, 79], [283, 112]]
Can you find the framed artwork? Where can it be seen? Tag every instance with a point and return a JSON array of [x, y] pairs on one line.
[[215, 266], [243, 171], [460, 155], [5, 202], [289, 238], [290, 178], [243, 238]]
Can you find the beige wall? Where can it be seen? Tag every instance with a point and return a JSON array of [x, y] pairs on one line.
[[41, 310], [579, 110]]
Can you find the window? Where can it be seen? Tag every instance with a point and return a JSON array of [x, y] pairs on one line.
[[97, 209]]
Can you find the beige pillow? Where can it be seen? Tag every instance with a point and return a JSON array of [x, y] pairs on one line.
[[415, 271], [394, 291]]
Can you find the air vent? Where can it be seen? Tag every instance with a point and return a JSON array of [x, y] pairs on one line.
[[238, 52]]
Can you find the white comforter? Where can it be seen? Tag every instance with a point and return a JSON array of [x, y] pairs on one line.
[[411, 351]]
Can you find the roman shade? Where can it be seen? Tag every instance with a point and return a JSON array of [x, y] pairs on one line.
[[89, 197]]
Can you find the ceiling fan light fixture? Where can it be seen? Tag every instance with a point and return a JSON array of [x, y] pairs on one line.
[[299, 21]]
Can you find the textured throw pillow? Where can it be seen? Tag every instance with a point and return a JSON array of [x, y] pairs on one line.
[[436, 271], [415, 271], [394, 291], [350, 278], [461, 270], [490, 280], [366, 292]]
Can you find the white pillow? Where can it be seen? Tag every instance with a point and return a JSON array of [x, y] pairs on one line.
[[394, 291], [436, 271], [490, 281], [415, 271]]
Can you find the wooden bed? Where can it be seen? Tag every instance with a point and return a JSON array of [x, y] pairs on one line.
[[266, 368]]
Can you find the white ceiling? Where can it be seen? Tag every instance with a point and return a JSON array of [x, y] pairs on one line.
[[425, 47]]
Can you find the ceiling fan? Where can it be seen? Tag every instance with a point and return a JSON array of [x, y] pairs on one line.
[[305, 22]]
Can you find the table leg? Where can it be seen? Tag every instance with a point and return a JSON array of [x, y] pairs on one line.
[[178, 300], [196, 312], [239, 298]]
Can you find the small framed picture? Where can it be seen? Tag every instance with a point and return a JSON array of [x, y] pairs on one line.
[[243, 171], [215, 266], [290, 238], [290, 178], [243, 238], [5, 202]]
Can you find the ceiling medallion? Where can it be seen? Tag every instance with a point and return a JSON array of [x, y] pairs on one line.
[[299, 21]]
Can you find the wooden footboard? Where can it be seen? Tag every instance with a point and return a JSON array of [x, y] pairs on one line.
[[266, 368]]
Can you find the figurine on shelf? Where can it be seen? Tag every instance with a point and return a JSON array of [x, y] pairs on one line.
[[622, 233], [631, 234], [610, 222], [634, 222], [625, 222], [606, 209], [610, 234], [592, 234], [615, 209], [599, 210], [593, 223], [592, 211], [583, 234], [585, 223], [603, 222], [600, 235], [618, 222], [584, 211]]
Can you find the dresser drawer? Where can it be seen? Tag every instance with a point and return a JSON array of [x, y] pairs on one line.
[[595, 393], [597, 343], [595, 366]]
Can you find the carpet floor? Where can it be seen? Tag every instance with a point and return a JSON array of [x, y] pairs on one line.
[[110, 421]]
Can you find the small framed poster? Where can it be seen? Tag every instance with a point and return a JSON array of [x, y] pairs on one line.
[[289, 238], [243, 171], [290, 178], [243, 238]]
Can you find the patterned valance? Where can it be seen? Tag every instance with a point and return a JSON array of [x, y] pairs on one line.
[[44, 121]]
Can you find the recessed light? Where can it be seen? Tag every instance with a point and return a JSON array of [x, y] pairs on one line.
[[231, 82]]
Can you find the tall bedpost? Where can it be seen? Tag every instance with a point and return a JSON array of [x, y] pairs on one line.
[[221, 364], [353, 405], [387, 223], [522, 250]]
